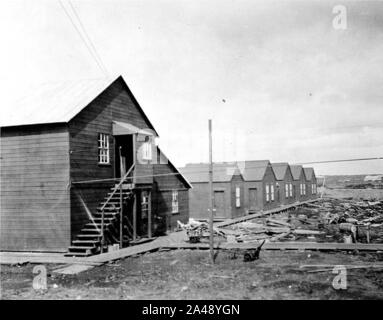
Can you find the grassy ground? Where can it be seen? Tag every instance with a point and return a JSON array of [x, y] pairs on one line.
[[186, 274]]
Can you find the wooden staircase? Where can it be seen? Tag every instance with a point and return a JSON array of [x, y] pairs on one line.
[[89, 240]]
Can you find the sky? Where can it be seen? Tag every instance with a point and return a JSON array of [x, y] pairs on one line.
[[278, 80]]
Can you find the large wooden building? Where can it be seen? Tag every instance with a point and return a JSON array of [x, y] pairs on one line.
[[79, 168], [239, 188]]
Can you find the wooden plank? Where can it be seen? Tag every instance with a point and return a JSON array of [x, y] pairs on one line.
[[329, 246], [263, 213]]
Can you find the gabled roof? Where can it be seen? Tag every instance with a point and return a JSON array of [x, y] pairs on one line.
[[296, 171], [309, 173], [165, 160], [58, 102], [199, 172], [253, 170], [224, 171], [280, 170]]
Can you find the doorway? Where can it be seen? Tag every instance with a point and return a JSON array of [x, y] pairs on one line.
[[252, 198], [219, 204], [124, 154]]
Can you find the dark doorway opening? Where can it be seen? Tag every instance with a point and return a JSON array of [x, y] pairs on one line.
[[124, 152]]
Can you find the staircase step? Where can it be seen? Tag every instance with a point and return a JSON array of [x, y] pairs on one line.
[[86, 242], [81, 248], [109, 208], [88, 230], [106, 219], [95, 226], [89, 236], [77, 254]]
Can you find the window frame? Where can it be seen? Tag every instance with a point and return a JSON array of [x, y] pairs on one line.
[[267, 192], [175, 202], [237, 197], [147, 153], [272, 190], [103, 153], [287, 187]]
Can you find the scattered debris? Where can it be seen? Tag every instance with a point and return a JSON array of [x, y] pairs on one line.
[[197, 230], [331, 220]]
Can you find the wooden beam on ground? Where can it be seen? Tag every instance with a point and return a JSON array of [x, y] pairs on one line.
[[264, 213], [328, 246]]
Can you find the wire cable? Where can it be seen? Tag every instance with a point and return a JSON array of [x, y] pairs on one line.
[[104, 71]]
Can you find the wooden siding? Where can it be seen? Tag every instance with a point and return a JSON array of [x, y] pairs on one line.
[[260, 198], [237, 181], [115, 104], [309, 184], [269, 178], [199, 199], [165, 182], [282, 192], [35, 212], [297, 183]]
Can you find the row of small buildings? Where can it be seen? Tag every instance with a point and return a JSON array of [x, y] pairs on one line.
[[244, 187], [80, 171]]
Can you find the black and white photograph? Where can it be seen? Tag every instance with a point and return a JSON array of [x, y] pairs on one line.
[[201, 151]]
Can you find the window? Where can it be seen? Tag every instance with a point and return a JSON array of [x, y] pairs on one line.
[[286, 190], [304, 188], [314, 188], [103, 148], [291, 190], [237, 197], [267, 193], [301, 189], [272, 192], [175, 201], [147, 149], [144, 204]]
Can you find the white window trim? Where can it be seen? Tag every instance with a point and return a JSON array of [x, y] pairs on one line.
[[272, 192], [175, 206], [267, 193], [103, 148], [147, 150], [237, 197], [287, 187], [291, 189]]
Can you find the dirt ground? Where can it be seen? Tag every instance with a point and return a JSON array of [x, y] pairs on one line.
[[187, 274]]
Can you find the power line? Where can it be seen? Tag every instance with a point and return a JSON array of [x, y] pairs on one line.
[[99, 64], [344, 160], [87, 36], [216, 170]]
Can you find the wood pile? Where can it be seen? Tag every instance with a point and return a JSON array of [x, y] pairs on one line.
[[333, 220]]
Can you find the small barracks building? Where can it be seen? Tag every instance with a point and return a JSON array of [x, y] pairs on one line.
[[239, 188], [285, 181]]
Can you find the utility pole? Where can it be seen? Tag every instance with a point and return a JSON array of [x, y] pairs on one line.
[[211, 205]]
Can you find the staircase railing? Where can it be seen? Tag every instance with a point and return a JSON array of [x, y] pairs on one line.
[[117, 187]]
